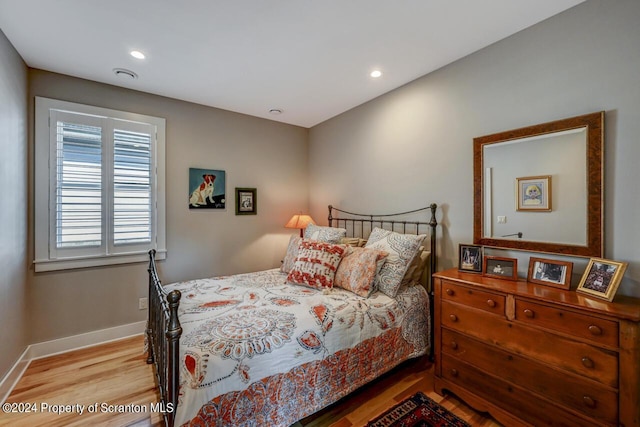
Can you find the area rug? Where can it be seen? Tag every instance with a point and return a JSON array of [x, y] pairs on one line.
[[417, 411]]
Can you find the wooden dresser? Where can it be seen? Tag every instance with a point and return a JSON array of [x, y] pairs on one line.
[[537, 355]]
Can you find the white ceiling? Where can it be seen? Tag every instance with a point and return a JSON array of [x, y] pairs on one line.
[[309, 58]]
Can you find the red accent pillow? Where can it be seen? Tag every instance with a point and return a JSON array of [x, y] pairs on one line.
[[316, 264]]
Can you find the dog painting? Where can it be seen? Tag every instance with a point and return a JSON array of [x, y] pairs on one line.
[[206, 189]]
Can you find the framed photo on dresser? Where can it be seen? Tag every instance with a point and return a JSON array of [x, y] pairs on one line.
[[470, 258], [500, 267], [602, 278], [550, 272]]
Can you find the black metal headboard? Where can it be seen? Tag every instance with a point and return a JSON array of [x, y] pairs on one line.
[[360, 225]]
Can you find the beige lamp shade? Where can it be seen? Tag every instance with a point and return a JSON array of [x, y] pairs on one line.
[[299, 221]]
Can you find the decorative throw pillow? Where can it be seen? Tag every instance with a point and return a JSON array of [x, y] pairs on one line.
[[316, 264], [415, 268], [416, 276], [401, 248], [324, 234], [292, 253], [357, 270]]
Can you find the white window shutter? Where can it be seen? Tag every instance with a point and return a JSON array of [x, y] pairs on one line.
[[99, 197]]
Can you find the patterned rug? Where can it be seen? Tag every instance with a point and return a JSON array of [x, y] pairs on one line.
[[417, 411]]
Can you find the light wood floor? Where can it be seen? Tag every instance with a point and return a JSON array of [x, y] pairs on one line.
[[116, 374]]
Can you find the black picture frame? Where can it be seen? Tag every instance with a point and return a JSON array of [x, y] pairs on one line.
[[246, 201], [470, 258]]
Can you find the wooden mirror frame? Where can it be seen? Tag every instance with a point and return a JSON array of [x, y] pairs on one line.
[[594, 247]]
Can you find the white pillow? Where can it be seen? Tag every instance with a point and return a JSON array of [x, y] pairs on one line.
[[292, 253], [324, 234]]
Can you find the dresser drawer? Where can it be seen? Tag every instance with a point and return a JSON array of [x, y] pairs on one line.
[[513, 399], [577, 357], [558, 319], [575, 392], [476, 298]]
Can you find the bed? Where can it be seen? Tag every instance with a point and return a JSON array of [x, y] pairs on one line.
[[350, 302]]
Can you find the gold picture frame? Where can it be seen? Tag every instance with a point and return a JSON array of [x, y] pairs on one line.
[[533, 193], [602, 278]]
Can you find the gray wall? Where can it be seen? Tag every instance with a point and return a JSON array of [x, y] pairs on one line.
[[14, 332], [269, 156], [414, 145]]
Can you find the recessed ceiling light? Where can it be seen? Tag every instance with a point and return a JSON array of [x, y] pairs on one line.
[[122, 72], [376, 73], [137, 54], [275, 111]]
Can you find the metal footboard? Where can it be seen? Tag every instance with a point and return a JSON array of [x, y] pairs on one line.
[[163, 339]]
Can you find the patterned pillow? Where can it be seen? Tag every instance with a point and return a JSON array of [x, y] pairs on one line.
[[358, 269], [401, 248], [292, 253], [316, 264], [324, 234]]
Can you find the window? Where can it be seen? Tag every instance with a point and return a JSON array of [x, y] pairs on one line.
[[99, 193]]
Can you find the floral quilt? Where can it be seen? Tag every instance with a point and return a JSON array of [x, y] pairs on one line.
[[257, 351]]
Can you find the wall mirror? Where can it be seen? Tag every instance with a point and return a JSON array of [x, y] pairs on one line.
[[539, 188]]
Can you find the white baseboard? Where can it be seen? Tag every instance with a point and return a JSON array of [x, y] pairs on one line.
[[13, 376], [63, 345]]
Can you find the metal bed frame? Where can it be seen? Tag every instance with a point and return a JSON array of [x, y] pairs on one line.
[[356, 224], [163, 326]]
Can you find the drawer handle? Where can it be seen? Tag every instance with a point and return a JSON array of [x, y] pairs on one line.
[[587, 362], [453, 317], [454, 372], [529, 313], [454, 345], [449, 292], [595, 330], [588, 400], [491, 303]]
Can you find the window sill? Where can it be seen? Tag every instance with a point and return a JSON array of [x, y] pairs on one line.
[[98, 261]]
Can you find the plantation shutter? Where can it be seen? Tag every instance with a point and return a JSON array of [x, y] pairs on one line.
[[103, 200], [132, 192], [77, 197], [99, 186], [78, 185]]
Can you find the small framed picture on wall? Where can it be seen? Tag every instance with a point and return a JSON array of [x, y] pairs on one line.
[[246, 201]]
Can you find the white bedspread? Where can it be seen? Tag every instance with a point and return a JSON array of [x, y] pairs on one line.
[[256, 350]]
